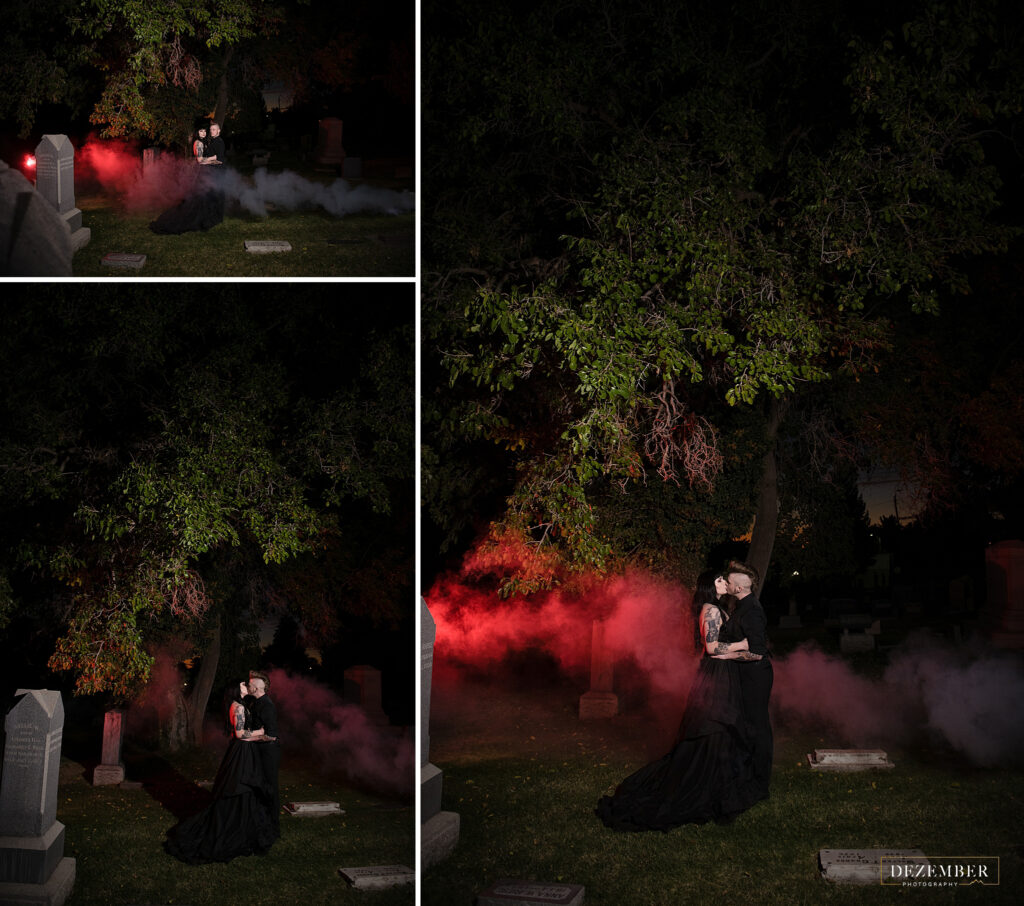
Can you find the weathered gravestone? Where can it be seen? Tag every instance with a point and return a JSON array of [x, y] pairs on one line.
[[267, 246], [55, 181], [111, 769], [600, 701], [378, 877], [313, 809], [34, 240], [329, 149], [33, 868], [849, 760], [865, 866], [123, 259], [531, 893], [362, 687], [439, 831], [149, 158], [855, 640], [1004, 580]]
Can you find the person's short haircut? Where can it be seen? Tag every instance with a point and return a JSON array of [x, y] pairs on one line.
[[736, 567], [256, 674]]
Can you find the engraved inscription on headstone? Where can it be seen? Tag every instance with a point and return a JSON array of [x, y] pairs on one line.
[[848, 760], [863, 866], [55, 181], [33, 868]]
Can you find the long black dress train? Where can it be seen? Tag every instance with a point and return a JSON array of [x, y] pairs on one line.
[[238, 821], [706, 776]]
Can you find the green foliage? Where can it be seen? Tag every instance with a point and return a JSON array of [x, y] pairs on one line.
[[167, 447], [39, 63], [745, 227]]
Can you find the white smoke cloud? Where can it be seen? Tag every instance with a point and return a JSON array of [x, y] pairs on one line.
[[116, 167]]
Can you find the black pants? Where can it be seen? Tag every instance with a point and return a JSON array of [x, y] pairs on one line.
[[270, 758], [756, 686]]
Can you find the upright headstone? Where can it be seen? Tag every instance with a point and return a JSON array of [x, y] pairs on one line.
[[111, 770], [33, 868], [149, 156], [329, 149], [791, 620], [34, 239], [1004, 580], [439, 832], [362, 687], [600, 701], [55, 181]]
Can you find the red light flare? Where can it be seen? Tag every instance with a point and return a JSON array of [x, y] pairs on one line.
[[30, 162]]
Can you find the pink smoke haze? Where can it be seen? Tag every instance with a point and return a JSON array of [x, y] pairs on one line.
[[967, 697], [316, 724], [116, 168]]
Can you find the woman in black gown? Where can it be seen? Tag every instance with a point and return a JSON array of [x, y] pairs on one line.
[[238, 821], [707, 774]]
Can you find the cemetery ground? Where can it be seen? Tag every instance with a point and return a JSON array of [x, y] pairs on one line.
[[116, 837], [356, 245], [524, 774]]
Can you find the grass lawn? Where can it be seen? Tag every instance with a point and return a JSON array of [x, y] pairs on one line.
[[116, 837], [357, 245], [524, 774]]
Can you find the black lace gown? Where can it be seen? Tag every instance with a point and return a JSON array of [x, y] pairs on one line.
[[707, 776], [238, 821]]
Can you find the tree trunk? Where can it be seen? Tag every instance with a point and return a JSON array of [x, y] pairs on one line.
[[762, 538], [221, 112], [200, 696]]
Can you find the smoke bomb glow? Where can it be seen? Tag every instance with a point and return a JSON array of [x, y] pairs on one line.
[[317, 728], [964, 698], [116, 169]]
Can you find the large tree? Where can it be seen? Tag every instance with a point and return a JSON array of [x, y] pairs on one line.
[[152, 69], [165, 457], [757, 193]]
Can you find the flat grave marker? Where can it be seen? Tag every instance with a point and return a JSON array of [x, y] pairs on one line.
[[313, 809], [863, 866], [531, 893], [123, 259], [849, 760], [266, 246], [378, 877]]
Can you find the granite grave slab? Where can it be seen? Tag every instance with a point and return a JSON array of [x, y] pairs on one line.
[[531, 893]]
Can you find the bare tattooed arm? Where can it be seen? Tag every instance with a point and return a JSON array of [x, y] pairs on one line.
[[711, 625], [238, 723]]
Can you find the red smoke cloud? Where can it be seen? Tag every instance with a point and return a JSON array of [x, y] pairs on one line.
[[967, 697], [647, 621], [115, 167]]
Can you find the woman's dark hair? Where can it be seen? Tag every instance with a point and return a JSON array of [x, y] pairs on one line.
[[704, 593]]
